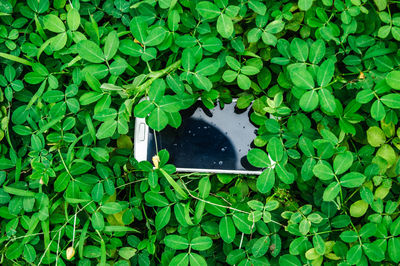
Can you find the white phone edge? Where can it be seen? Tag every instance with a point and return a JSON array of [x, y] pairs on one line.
[[140, 151]]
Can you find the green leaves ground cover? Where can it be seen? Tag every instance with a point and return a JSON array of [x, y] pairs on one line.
[[321, 78]]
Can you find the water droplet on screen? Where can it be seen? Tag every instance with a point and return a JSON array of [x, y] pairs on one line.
[[223, 149], [189, 131], [240, 150], [214, 162], [205, 127], [244, 127], [194, 134], [220, 162], [198, 127]]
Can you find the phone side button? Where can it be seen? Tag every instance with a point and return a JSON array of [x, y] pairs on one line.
[[142, 130]]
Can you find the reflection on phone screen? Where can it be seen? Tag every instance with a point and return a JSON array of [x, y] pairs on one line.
[[208, 139]]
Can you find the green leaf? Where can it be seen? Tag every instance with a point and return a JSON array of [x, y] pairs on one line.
[[275, 149], [317, 51], [176, 242], [143, 108], [162, 218], [201, 243], [243, 82], [352, 180], [319, 244], [249, 70], [212, 44], [155, 199], [197, 260], [266, 181], [261, 246], [202, 82], [393, 79], [323, 172], [391, 100], [14, 251], [53, 23], [111, 45], [156, 36], [378, 110], [127, 252], [18, 192], [284, 175], [188, 59], [374, 252], [186, 41], [100, 154], [257, 7], [299, 49], [327, 101], [111, 208], [62, 182], [309, 101], [358, 208], [305, 5], [354, 254], [331, 191], [302, 78], [235, 256], [233, 63], [90, 51], [227, 229], [98, 192], [207, 10], [119, 228], [91, 252], [229, 75], [106, 114], [6, 164], [395, 227], [349, 236], [58, 42], [381, 4], [325, 72], [107, 129], [225, 26], [242, 223], [173, 20], [376, 137], [342, 162], [394, 249], [181, 259], [173, 183], [207, 67], [131, 48], [73, 19], [204, 187], [289, 260], [29, 253], [139, 29], [98, 221], [258, 158]]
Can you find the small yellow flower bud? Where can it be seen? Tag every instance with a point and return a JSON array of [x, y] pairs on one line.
[[156, 161], [70, 253]]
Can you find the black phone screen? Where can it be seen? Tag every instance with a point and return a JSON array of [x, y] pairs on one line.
[[216, 138]]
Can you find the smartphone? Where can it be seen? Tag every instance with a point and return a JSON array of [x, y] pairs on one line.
[[208, 141]]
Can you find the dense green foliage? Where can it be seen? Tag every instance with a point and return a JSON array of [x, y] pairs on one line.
[[324, 80]]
